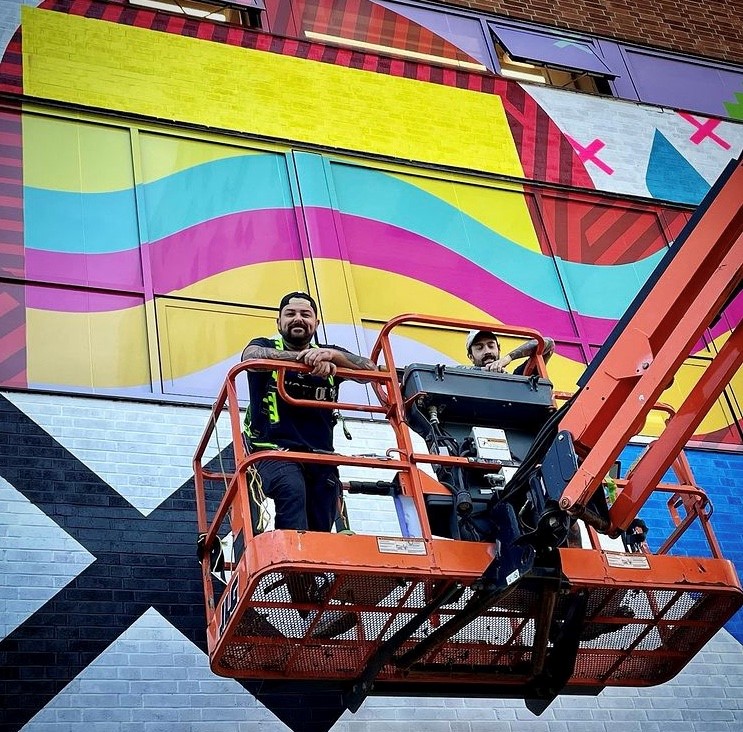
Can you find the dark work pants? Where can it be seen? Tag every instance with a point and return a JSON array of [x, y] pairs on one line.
[[305, 495]]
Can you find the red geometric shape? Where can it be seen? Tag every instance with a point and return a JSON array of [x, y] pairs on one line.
[[601, 230], [12, 335]]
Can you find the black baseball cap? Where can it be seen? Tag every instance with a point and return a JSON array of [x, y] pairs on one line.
[[300, 296]]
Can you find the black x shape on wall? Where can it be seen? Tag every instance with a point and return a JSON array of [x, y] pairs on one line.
[[140, 562]]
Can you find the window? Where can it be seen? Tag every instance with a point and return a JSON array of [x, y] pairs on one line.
[[237, 12], [566, 62]]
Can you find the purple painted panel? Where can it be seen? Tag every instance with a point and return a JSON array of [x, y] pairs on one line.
[[464, 33], [682, 84], [613, 57], [549, 49]]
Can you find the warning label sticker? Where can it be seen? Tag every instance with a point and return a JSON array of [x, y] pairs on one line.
[[390, 545], [627, 561]]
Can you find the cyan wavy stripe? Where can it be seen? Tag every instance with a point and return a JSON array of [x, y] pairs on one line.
[[214, 189], [90, 223], [98, 223], [602, 291]]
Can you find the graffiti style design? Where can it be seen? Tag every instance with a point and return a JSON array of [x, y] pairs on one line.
[[629, 149], [589, 153], [704, 130], [580, 230], [538, 122]]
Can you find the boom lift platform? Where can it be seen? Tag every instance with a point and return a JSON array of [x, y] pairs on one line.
[[483, 593]]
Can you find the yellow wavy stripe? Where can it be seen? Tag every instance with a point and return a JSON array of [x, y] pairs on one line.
[[67, 155], [261, 284], [502, 211], [196, 335], [163, 156], [85, 61], [98, 350]]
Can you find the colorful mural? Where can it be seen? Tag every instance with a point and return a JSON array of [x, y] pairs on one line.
[[167, 240], [187, 175], [211, 234]]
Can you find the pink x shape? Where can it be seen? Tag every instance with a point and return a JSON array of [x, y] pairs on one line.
[[704, 130], [588, 153]]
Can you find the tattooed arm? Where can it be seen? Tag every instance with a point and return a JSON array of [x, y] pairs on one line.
[[523, 351], [530, 348], [254, 350], [325, 360]]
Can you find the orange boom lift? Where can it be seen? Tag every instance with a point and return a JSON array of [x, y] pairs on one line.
[[485, 591]]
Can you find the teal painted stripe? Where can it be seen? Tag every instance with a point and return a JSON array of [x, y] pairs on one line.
[[77, 223], [602, 291], [214, 189]]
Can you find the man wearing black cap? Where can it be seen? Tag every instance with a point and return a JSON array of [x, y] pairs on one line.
[[305, 495], [483, 349]]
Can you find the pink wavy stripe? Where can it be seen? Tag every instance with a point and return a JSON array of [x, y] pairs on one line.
[[222, 244], [176, 261], [112, 270], [75, 301], [382, 246]]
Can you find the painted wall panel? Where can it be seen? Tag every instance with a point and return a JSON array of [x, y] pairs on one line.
[[81, 340], [200, 341], [79, 206], [234, 226], [685, 84]]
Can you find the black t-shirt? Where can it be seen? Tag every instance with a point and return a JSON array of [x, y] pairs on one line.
[[275, 422]]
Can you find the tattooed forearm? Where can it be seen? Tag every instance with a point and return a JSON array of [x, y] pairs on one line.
[[360, 362], [525, 349], [530, 348], [266, 352]]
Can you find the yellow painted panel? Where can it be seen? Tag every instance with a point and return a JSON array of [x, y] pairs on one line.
[[503, 211], [101, 64], [69, 155], [405, 295], [333, 288], [102, 350], [194, 336]]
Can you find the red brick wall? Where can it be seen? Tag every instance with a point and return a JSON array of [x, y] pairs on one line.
[[712, 28]]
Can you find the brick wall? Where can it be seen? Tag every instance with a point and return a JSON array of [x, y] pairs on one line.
[[101, 609], [697, 27]]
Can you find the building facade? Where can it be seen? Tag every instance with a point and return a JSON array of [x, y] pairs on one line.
[[169, 170]]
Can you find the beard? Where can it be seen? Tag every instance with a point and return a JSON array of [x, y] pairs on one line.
[[297, 335]]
